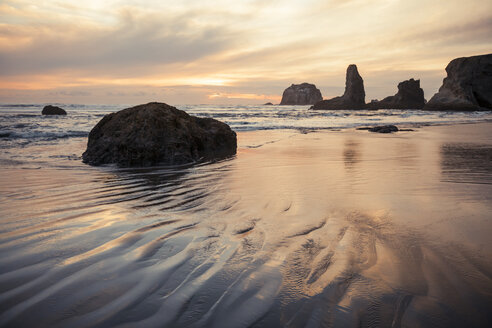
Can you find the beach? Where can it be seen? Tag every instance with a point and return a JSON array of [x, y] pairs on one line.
[[305, 227], [245, 164]]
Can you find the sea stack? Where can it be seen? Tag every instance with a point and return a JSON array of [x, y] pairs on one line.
[[467, 86], [53, 110], [353, 97], [156, 133], [409, 96], [301, 94]]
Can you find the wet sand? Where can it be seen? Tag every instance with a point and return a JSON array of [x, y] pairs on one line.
[[315, 228]]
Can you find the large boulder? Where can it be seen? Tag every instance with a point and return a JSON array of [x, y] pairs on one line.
[[409, 96], [468, 85], [301, 94], [157, 133], [353, 97], [53, 110]]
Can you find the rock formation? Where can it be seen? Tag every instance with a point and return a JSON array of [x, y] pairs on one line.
[[157, 133], [410, 96], [353, 97], [268, 104], [53, 110], [468, 85], [383, 129], [301, 94]]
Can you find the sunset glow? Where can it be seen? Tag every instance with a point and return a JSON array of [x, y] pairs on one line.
[[246, 49], [243, 96]]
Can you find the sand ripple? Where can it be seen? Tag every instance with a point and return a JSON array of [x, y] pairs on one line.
[[195, 246]]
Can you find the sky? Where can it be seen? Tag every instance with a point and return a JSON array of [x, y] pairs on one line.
[[228, 52]]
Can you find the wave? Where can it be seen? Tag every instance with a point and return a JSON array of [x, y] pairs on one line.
[[20, 105], [26, 115], [43, 135]]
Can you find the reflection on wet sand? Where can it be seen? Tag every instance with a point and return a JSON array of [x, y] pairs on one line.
[[467, 163], [351, 153], [327, 229]]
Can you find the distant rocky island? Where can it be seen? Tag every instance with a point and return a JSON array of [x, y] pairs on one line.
[[468, 86], [301, 94], [353, 97], [409, 96]]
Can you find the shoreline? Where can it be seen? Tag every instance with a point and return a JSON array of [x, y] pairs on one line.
[[348, 130], [248, 139]]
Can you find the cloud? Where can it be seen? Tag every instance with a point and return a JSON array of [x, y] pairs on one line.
[[70, 93], [243, 96], [139, 44]]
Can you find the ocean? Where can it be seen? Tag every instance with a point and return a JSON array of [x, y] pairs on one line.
[[21, 125]]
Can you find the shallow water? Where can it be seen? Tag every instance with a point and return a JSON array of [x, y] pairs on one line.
[[22, 125], [322, 229]]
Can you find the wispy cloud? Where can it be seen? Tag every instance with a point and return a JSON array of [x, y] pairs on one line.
[[135, 46]]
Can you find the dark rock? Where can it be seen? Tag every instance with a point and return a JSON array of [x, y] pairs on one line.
[[468, 85], [268, 104], [384, 129], [353, 97], [53, 110], [301, 94], [157, 133], [410, 96]]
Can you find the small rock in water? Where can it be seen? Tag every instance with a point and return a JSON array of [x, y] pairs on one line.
[[53, 110], [157, 133], [384, 129]]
